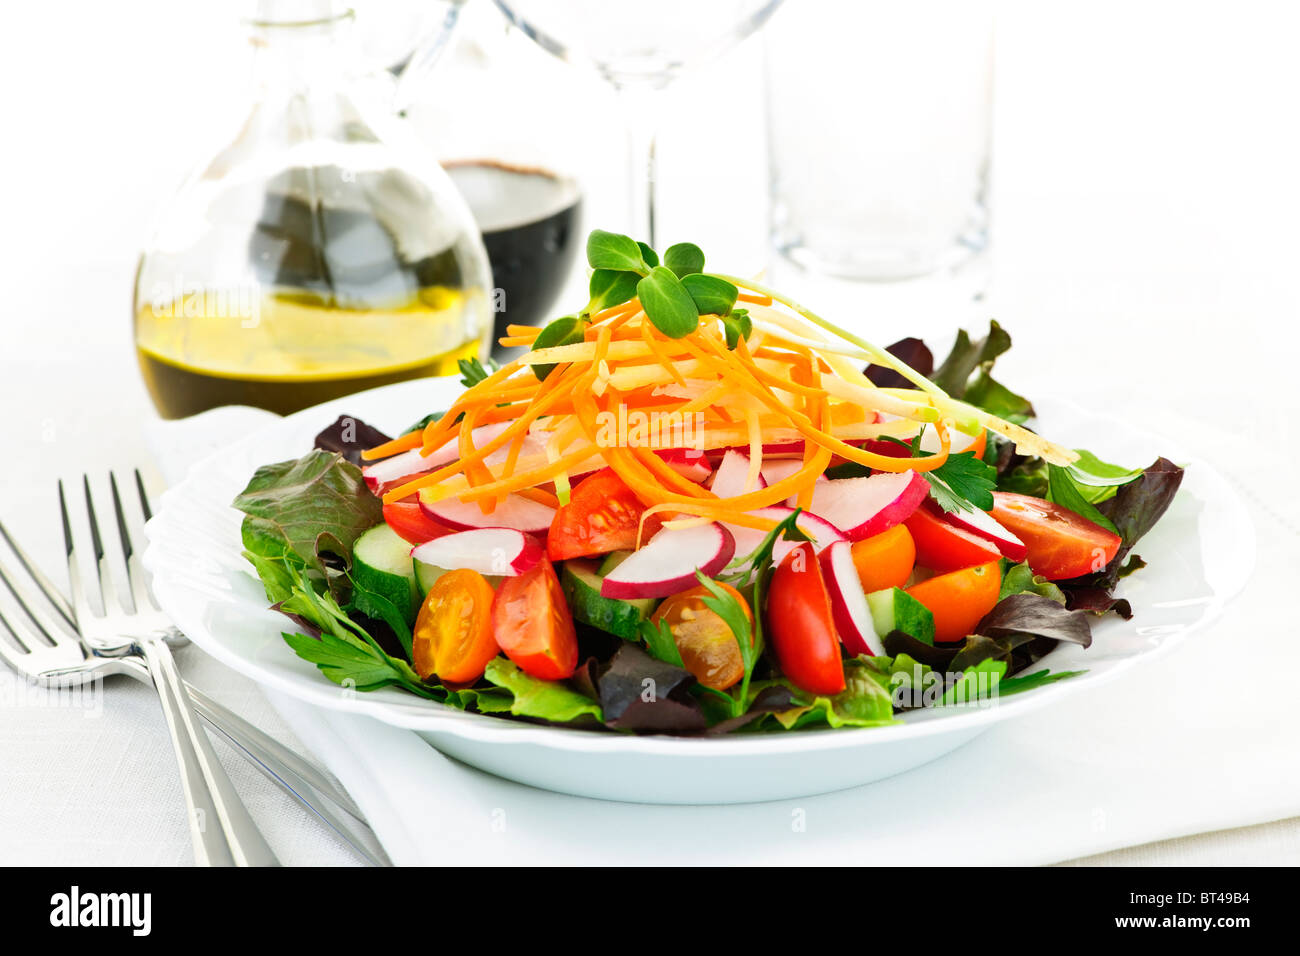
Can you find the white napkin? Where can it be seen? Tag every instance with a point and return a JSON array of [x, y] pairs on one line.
[[1194, 742]]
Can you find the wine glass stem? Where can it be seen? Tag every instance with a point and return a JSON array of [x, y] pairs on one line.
[[640, 108]]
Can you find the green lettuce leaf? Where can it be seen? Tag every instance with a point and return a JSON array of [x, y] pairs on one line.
[[302, 509], [866, 701], [1021, 579], [543, 699]]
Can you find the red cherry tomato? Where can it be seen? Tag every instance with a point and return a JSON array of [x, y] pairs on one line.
[[1061, 543], [407, 519], [602, 516], [802, 628], [532, 624], [945, 547]]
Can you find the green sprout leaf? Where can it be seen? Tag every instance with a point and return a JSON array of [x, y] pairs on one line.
[[648, 255], [667, 303], [609, 288], [712, 296], [737, 326], [609, 250], [685, 258], [567, 330]]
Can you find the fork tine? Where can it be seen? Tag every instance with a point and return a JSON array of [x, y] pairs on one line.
[[144, 497], [107, 593], [81, 610], [48, 588], [147, 510], [52, 627], [140, 597], [18, 647]]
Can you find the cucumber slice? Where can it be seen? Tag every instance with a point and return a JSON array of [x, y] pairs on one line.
[[381, 563], [893, 609], [581, 583], [611, 561], [426, 574]]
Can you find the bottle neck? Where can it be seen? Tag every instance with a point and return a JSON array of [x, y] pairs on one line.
[[298, 44]]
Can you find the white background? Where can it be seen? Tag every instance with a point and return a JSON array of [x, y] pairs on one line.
[[1146, 234]]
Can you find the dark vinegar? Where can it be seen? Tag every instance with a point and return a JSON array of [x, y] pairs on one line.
[[529, 219]]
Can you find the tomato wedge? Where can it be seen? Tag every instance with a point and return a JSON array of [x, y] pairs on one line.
[[532, 624], [885, 560], [942, 546], [959, 599], [453, 631], [1061, 543], [410, 522], [803, 630], [602, 516], [708, 648]]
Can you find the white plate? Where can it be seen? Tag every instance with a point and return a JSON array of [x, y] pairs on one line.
[[1200, 555]]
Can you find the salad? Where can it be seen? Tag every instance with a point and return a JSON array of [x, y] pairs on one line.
[[696, 507]]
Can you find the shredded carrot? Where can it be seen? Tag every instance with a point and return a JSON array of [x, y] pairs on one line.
[[404, 443], [788, 383]]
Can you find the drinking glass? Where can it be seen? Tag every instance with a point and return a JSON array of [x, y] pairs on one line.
[[638, 48], [878, 126]]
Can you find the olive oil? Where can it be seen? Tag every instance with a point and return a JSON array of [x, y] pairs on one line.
[[291, 350]]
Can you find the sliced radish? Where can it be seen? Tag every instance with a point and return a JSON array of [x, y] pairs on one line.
[[822, 532], [668, 563], [687, 462], [782, 449], [409, 464], [861, 507], [490, 551], [778, 469], [517, 512], [729, 480], [986, 526], [848, 601]]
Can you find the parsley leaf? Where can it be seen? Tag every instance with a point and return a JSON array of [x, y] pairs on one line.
[[963, 483], [659, 642], [472, 371]]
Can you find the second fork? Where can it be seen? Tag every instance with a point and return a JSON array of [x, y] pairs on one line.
[[223, 831]]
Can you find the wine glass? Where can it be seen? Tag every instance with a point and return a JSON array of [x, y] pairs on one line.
[[638, 48]]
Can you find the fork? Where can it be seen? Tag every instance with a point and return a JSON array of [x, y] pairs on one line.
[[43, 619], [47, 650], [141, 628], [279, 763]]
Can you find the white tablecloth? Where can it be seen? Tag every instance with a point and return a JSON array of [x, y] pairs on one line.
[[1146, 241]]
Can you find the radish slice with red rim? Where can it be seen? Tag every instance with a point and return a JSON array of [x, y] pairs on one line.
[[503, 552], [517, 512], [861, 507], [848, 601], [986, 526], [733, 472], [668, 563]]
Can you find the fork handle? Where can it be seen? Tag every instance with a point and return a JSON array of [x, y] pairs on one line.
[[223, 832]]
